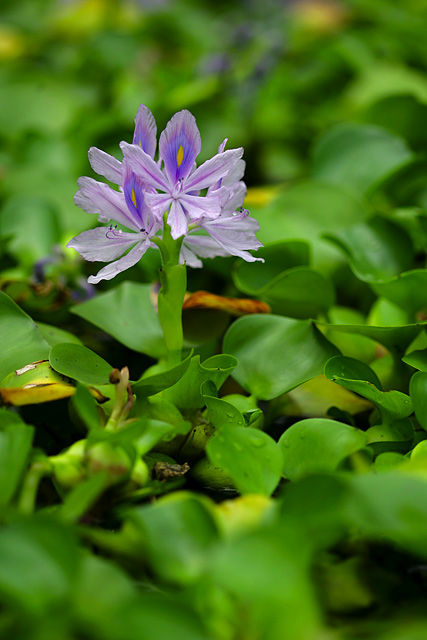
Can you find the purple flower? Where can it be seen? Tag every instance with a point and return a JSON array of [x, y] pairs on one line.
[[144, 136], [128, 208], [232, 233], [179, 181], [148, 190]]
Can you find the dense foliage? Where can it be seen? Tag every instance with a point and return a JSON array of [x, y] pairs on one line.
[[272, 482]]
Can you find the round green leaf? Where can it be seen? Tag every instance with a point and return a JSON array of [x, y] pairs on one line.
[[359, 156], [127, 314], [79, 363], [253, 277], [307, 211], [178, 532], [250, 457], [407, 290], [377, 249], [350, 368], [318, 445], [20, 339], [276, 354]]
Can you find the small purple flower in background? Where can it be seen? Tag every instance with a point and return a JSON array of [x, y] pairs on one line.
[[149, 190]]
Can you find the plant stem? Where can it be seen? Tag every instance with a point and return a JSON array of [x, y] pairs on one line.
[[173, 278], [35, 473]]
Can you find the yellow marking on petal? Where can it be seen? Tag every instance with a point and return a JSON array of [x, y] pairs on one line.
[[133, 197], [180, 156]]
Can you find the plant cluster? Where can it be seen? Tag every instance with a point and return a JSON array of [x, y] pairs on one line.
[[221, 434]]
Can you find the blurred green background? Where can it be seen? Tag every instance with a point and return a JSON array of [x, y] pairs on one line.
[[271, 76]]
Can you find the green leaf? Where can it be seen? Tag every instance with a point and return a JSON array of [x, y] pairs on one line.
[[318, 445], [15, 446], [155, 431], [250, 457], [360, 157], [178, 532], [185, 394], [351, 369], [128, 315], [417, 359], [86, 407], [418, 393], [20, 340], [282, 281], [83, 496], [252, 277], [402, 114], [393, 405], [221, 413], [39, 563], [395, 339], [377, 249], [80, 363], [276, 354], [390, 506], [407, 290], [54, 335], [152, 384], [40, 221], [307, 211], [267, 570]]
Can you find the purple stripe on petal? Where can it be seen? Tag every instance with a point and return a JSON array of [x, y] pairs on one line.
[[177, 220], [103, 243], [145, 130], [129, 260], [97, 197], [105, 165], [144, 166], [133, 190], [179, 145], [213, 170]]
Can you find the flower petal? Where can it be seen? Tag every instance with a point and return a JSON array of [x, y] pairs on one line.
[[145, 130], [97, 197], [204, 246], [105, 165], [213, 170], [235, 174], [235, 234], [159, 203], [177, 220], [144, 166], [179, 145], [129, 260], [133, 190], [189, 258], [200, 207], [103, 243]]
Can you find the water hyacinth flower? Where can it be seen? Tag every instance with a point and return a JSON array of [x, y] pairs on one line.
[[171, 186], [128, 208]]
